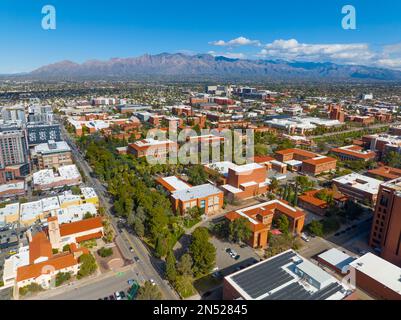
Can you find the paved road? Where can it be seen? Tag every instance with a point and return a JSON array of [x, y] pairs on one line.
[[346, 241], [150, 267]]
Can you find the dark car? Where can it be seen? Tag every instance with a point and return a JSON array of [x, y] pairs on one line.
[[237, 257], [112, 297]]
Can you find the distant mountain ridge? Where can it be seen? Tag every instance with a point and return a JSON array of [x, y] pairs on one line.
[[205, 66]]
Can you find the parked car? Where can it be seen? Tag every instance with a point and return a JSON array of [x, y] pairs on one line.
[[111, 297], [237, 257], [117, 295], [304, 237], [123, 295], [131, 282], [152, 282]]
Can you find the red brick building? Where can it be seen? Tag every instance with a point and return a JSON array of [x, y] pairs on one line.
[[260, 218], [386, 229], [353, 152]]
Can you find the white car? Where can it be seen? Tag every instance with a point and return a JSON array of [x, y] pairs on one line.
[[304, 237], [152, 282], [118, 295]]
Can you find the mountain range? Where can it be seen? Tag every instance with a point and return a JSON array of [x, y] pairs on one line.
[[205, 66]]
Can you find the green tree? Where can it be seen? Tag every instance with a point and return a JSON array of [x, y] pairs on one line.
[[283, 224], [66, 248], [162, 246], [76, 190], [197, 175], [149, 292], [273, 185], [184, 266], [88, 215], [171, 272], [316, 228], [105, 252], [239, 230], [393, 159], [62, 277], [202, 251], [87, 265]]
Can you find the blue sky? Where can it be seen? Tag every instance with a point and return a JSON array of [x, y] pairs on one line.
[[308, 30]]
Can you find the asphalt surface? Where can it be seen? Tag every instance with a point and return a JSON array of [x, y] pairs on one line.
[[129, 244]]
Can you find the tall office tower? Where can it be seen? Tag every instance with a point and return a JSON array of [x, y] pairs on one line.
[[386, 229], [14, 155]]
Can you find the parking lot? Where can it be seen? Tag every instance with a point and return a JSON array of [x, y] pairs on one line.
[[226, 263]]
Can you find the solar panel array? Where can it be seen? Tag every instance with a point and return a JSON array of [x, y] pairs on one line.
[[269, 275], [265, 277], [326, 292], [294, 291]]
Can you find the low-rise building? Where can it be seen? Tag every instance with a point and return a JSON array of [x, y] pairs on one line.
[[153, 148], [246, 181], [353, 152], [52, 155], [377, 277], [358, 187], [310, 201], [336, 260], [260, 218], [183, 196], [384, 172], [286, 276], [12, 189], [47, 179], [9, 214], [306, 161]]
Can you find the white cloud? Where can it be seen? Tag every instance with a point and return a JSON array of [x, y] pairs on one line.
[[240, 41], [231, 55], [388, 56], [293, 50]]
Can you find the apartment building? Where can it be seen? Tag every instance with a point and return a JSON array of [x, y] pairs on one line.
[[52, 155], [386, 229], [14, 155], [353, 152], [260, 218]]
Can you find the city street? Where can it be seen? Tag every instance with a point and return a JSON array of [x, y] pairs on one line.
[[148, 266]]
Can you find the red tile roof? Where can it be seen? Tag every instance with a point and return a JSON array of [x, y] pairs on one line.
[[80, 226], [90, 236], [58, 262], [39, 247]]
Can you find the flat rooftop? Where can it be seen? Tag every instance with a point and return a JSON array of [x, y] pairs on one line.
[[360, 182], [287, 276], [52, 147], [196, 192], [336, 258], [379, 269]]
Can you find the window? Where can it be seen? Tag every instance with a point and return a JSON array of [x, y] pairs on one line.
[[203, 203]]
